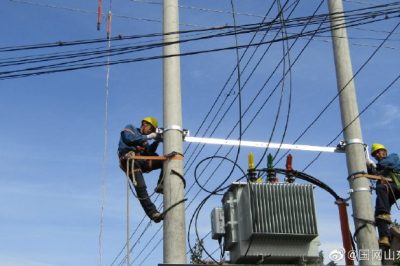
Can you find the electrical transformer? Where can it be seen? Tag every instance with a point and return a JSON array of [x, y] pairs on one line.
[[268, 223]]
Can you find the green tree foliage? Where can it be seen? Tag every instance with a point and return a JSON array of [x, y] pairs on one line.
[[197, 252]]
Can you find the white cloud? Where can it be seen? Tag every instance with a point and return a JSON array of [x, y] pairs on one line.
[[389, 114]]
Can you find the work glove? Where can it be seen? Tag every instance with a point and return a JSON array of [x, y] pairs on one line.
[[159, 137], [371, 167], [152, 135], [371, 163]]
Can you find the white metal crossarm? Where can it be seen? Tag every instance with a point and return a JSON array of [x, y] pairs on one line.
[[257, 144]]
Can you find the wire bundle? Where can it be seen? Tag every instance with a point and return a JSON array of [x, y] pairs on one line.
[[32, 65]]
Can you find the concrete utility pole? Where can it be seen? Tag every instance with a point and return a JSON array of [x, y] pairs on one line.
[[355, 156], [174, 222]]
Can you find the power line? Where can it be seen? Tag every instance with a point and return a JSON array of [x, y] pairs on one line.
[[238, 68], [286, 53], [102, 14], [227, 81], [218, 167], [150, 253], [337, 95], [96, 64], [118, 51], [357, 117], [369, 13], [358, 2], [147, 226], [264, 85], [218, 111], [68, 66], [203, 9], [191, 202], [297, 58]]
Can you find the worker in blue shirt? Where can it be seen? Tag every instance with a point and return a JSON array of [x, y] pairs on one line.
[[387, 193], [135, 141]]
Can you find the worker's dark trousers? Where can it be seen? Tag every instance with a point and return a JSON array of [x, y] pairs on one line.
[[141, 188], [386, 196]]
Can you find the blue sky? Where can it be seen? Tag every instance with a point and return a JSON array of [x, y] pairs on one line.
[[54, 178]]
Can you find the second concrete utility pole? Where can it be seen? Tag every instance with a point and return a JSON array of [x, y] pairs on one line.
[[355, 154]]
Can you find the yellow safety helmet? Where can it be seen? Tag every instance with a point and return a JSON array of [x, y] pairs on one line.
[[152, 121], [376, 146]]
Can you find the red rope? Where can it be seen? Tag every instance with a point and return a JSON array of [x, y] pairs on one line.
[[99, 13], [109, 25]]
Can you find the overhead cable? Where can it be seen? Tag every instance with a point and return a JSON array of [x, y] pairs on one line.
[[337, 95], [69, 66], [387, 9]]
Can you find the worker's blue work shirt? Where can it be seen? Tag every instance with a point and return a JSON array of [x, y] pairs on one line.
[[131, 140], [391, 162]]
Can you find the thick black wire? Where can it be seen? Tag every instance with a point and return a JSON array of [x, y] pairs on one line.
[[337, 95], [290, 85], [199, 163], [203, 146], [227, 81], [200, 206], [249, 245], [240, 126], [195, 217], [334, 98], [137, 46], [261, 90], [239, 71], [114, 52], [277, 115], [226, 154], [224, 158], [231, 76], [211, 193], [118, 38], [312, 180], [281, 16], [100, 40], [358, 116], [399, 76], [82, 52], [210, 158], [221, 146], [122, 61], [85, 52], [232, 102], [248, 78], [96, 64]]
